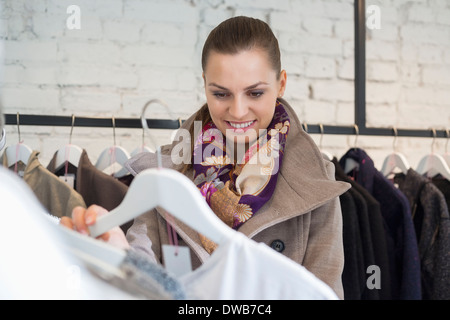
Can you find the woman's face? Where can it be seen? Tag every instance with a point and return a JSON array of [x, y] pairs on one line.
[[241, 92]]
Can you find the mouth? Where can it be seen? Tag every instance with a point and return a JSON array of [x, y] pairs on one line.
[[241, 125]]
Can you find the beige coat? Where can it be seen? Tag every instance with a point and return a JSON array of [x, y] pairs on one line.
[[303, 215]]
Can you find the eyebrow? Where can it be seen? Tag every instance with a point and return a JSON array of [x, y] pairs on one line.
[[247, 88]]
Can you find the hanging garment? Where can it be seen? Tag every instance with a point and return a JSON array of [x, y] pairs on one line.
[[95, 186], [444, 186], [55, 195], [431, 220], [353, 275], [245, 270], [401, 240], [144, 279], [373, 238], [34, 265]]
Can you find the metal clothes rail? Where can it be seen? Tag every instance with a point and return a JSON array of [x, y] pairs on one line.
[[359, 127]]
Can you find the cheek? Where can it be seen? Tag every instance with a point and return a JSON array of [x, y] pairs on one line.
[[265, 108], [214, 109]]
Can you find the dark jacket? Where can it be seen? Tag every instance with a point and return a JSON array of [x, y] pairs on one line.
[[353, 275], [373, 238], [401, 239], [431, 220], [444, 186]]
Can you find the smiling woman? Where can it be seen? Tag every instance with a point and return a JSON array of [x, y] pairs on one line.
[[278, 177], [277, 189], [241, 107]]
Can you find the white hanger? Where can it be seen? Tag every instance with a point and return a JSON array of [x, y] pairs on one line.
[[94, 253], [395, 160], [18, 152], [170, 190], [145, 128], [112, 156], [143, 147], [433, 164], [69, 153], [351, 164]]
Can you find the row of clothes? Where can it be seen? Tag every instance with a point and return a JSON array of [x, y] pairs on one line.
[[233, 272], [398, 226], [401, 225], [88, 185]]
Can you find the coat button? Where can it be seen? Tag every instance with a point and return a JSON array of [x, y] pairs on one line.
[[277, 245]]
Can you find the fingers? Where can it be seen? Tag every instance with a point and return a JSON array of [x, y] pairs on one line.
[[66, 222], [82, 218], [79, 219]]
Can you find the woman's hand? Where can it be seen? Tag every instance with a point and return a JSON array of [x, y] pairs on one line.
[[82, 218]]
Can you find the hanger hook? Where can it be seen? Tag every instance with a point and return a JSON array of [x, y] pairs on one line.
[[321, 134], [71, 129], [305, 126], [114, 129], [146, 128], [18, 126], [394, 143], [434, 139], [447, 133], [357, 134]]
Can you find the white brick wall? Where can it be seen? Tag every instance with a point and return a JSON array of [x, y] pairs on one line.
[[130, 51]]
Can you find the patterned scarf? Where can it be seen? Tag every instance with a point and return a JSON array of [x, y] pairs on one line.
[[235, 192]]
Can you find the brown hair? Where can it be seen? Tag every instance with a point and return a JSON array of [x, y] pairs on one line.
[[233, 36]]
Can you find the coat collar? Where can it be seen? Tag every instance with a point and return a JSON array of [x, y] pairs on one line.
[[303, 185]]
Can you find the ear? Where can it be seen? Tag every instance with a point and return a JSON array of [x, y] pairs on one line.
[[203, 76], [282, 83]]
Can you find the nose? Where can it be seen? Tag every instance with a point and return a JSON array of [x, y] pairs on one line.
[[238, 108]]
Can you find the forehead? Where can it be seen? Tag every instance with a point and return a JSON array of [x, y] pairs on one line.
[[249, 65]]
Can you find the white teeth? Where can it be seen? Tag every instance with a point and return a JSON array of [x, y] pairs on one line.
[[240, 125]]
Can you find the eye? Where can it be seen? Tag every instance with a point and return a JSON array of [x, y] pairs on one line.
[[220, 95], [256, 93]]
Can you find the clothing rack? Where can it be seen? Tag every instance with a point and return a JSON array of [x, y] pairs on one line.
[[359, 127]]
